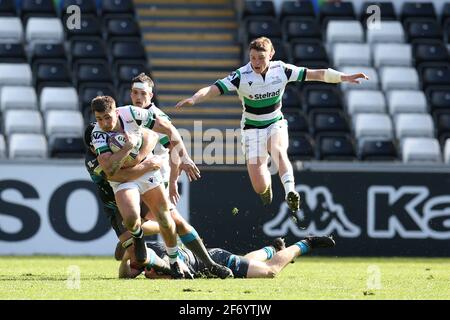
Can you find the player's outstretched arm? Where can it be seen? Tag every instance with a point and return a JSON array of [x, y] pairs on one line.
[[201, 95], [332, 76], [177, 148], [132, 173]]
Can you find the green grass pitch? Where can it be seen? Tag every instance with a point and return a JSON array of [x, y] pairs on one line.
[[40, 277]]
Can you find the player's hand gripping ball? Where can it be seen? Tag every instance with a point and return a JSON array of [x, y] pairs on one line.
[[117, 141]]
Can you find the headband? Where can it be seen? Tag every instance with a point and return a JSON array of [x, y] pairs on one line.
[[142, 86]]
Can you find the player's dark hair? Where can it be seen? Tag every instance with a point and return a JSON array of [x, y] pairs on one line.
[[261, 44], [142, 77], [88, 134], [102, 104]]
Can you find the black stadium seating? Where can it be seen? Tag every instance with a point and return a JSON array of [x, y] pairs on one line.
[[12, 52], [258, 8]]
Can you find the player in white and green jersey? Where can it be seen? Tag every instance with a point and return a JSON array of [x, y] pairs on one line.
[[260, 85], [141, 95], [128, 120]]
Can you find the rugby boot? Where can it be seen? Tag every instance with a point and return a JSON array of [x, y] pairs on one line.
[[267, 196], [220, 271], [319, 242], [119, 252], [175, 271], [293, 201], [140, 249]]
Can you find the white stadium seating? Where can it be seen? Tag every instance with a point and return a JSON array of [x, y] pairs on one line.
[[399, 78], [27, 145], [64, 123], [2, 147], [351, 54], [344, 31], [392, 54], [58, 98], [406, 101], [413, 125], [389, 31], [23, 121], [365, 101], [15, 74], [18, 97], [11, 30], [371, 84], [370, 125], [48, 30], [421, 150]]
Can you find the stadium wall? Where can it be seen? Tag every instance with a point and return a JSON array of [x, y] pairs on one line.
[[371, 209]]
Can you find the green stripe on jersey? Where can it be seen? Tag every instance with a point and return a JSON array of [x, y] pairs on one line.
[[102, 150], [132, 113], [263, 102], [262, 123], [164, 140], [300, 74], [224, 87]]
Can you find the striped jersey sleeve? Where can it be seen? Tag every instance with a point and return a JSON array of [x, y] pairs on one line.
[[99, 140], [145, 116], [229, 83], [294, 73]]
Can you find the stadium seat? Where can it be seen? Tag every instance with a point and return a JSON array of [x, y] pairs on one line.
[[66, 147], [297, 121], [301, 28], [387, 11], [434, 74], [413, 125], [430, 51], [15, 74], [12, 52], [22, 121], [127, 50], [365, 101], [320, 98], [308, 51], [328, 121], [442, 121], [121, 27], [419, 28], [401, 78], [44, 30], [117, 7], [36, 8], [377, 150], [371, 84], [255, 27], [57, 98], [2, 147], [86, 6], [125, 71], [18, 97], [421, 150], [87, 49], [344, 31], [372, 125], [124, 94], [301, 147], [336, 10], [417, 10], [90, 27], [92, 71], [258, 8], [406, 101], [282, 51], [64, 123], [388, 32], [335, 147], [27, 145], [291, 98], [8, 8], [88, 91], [11, 30], [392, 54], [297, 8], [446, 151], [438, 97], [47, 51], [351, 54], [51, 74]]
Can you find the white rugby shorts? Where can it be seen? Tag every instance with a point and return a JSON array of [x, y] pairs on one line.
[[254, 141], [144, 183]]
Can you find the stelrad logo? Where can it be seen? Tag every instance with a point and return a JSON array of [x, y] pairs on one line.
[[266, 95], [319, 213]]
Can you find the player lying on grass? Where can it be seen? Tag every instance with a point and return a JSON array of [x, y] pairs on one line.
[[186, 232], [263, 263]]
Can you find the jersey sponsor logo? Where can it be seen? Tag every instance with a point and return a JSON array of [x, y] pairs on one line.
[[260, 96], [408, 211], [98, 135], [319, 215], [250, 83]]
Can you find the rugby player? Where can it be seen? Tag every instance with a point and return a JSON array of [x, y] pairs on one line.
[[128, 120], [263, 263], [141, 95], [260, 85]]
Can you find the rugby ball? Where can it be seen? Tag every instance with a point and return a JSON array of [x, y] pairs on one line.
[[116, 142]]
